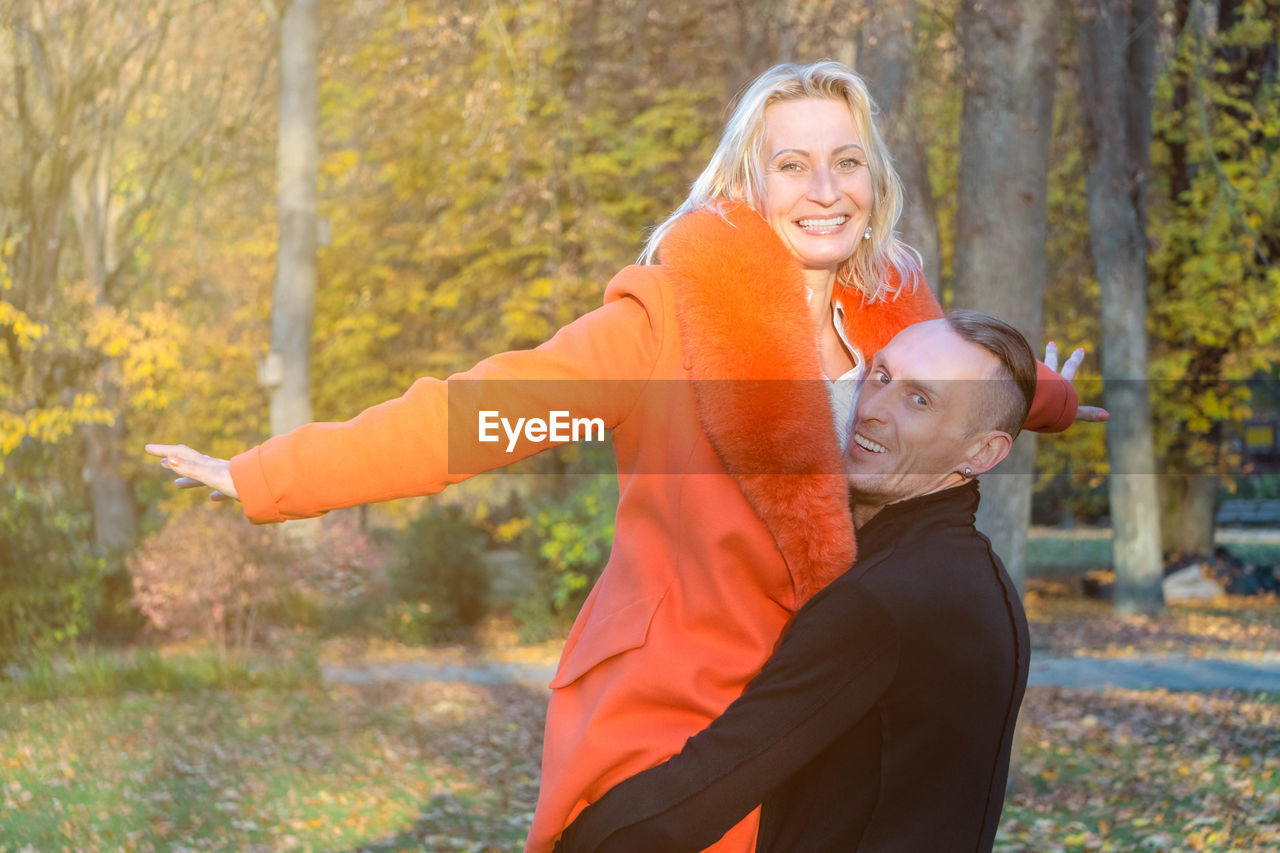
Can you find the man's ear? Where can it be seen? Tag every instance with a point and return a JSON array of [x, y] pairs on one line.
[[988, 451]]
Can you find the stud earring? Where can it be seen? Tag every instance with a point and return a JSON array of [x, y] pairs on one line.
[[866, 235], [968, 472]]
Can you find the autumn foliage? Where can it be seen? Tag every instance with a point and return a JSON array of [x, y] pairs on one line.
[[208, 575]]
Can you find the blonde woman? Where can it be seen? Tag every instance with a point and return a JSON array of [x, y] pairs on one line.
[[722, 373]]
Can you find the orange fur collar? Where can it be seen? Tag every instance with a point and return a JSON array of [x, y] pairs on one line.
[[743, 312]]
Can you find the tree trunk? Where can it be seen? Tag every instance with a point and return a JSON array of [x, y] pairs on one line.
[[288, 369], [1117, 69], [886, 54], [1188, 504], [115, 516], [1005, 128], [110, 493]]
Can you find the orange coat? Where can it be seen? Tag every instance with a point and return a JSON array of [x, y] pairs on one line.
[[733, 509]]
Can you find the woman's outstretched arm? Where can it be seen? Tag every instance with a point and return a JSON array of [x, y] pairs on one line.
[[443, 431]]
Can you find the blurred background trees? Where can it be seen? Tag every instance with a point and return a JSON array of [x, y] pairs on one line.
[[483, 169]]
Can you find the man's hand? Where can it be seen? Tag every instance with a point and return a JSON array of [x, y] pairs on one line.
[[195, 469], [1093, 414]]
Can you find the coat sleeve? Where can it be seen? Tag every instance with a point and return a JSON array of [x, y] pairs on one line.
[[834, 663], [1055, 403], [436, 433]]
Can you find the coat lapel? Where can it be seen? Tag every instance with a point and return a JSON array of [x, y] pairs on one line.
[[761, 395]]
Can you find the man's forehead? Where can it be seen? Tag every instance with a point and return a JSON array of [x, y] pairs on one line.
[[933, 351]]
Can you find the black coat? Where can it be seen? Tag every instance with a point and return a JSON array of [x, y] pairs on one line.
[[883, 721]]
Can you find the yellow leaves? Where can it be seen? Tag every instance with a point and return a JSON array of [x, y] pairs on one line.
[[12, 430], [108, 331], [510, 531], [146, 346], [52, 424], [1179, 774], [1231, 627], [27, 330], [142, 348], [6, 252], [340, 163]]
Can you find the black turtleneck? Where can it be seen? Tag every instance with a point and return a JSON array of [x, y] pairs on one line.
[[883, 721]]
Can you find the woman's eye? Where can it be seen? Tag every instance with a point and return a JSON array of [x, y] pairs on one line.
[[882, 377], [919, 400], [848, 164], [790, 166]]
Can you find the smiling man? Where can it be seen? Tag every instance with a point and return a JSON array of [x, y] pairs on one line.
[[885, 717]]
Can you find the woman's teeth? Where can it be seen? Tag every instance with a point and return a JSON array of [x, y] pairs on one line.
[[823, 224]]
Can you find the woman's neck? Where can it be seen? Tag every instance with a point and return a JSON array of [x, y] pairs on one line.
[[821, 284], [836, 359]]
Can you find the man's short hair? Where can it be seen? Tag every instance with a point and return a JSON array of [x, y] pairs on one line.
[[1006, 398]]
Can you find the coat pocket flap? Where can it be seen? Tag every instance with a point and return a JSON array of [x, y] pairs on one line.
[[622, 630]]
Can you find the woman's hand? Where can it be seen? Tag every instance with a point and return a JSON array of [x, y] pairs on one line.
[[196, 469], [1093, 414]]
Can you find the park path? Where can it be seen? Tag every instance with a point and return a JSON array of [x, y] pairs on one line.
[[1137, 673], [1147, 672]]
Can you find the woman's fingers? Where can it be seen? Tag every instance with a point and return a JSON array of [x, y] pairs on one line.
[[196, 469], [173, 456], [1091, 414], [1073, 364], [1051, 356]]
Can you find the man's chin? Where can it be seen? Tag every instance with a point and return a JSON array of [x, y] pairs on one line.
[[880, 490], [869, 489]]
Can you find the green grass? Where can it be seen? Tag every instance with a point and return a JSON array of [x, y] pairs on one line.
[[149, 750], [112, 672], [269, 769], [450, 767], [1064, 554]]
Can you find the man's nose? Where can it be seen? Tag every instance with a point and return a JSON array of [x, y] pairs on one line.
[[870, 406]]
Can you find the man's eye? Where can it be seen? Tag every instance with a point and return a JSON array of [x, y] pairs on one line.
[[882, 377], [919, 400]]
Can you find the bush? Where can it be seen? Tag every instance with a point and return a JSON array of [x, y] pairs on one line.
[[439, 579], [338, 577], [340, 563], [49, 581], [573, 539], [209, 575]]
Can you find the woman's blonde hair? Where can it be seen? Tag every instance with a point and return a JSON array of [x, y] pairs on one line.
[[734, 173]]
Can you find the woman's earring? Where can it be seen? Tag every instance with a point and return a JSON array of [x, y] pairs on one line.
[[968, 472], [866, 235]]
